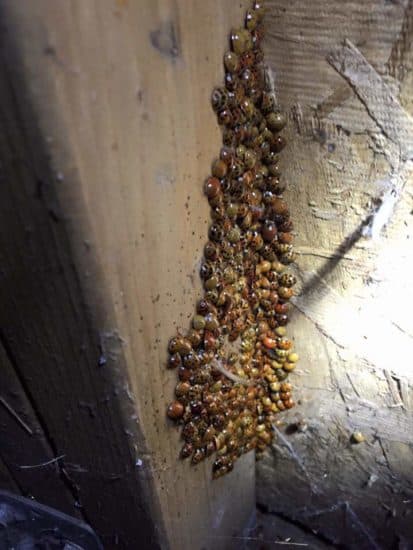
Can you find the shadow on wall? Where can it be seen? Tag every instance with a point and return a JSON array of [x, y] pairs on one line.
[[63, 384]]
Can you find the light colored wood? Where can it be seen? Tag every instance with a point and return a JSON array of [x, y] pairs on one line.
[[343, 72], [117, 96]]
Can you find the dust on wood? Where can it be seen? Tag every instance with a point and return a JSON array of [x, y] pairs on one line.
[[108, 135], [349, 168]]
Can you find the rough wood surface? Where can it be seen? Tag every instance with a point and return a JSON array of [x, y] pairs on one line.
[[343, 71], [107, 136]]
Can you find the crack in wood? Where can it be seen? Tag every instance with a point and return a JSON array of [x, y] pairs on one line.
[[16, 416]]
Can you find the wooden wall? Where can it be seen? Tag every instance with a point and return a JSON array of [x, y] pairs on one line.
[[107, 136], [344, 73]]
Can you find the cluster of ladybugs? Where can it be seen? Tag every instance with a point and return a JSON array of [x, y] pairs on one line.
[[233, 362]]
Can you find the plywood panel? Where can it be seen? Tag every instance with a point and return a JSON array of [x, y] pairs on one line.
[[343, 74]]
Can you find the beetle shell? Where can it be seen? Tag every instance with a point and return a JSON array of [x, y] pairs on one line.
[[175, 410], [285, 293], [216, 232], [225, 118], [278, 144], [174, 361], [246, 287], [251, 19], [267, 103], [187, 450], [276, 121], [241, 41], [287, 280], [258, 7], [231, 62], [269, 231], [219, 168], [219, 98]]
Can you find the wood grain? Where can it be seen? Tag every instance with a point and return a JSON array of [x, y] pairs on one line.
[[107, 136], [352, 323]]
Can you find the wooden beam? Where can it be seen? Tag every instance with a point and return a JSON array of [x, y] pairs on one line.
[[107, 137]]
